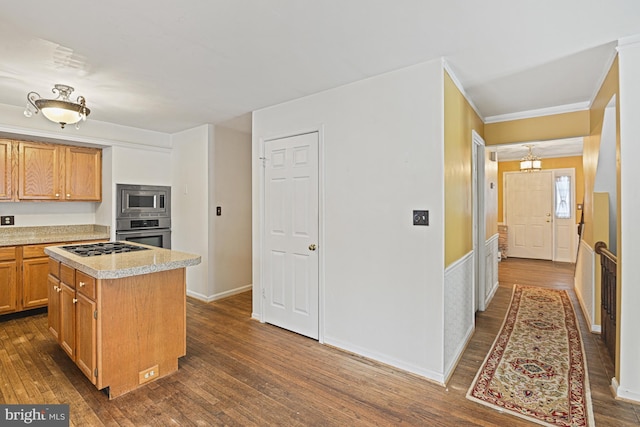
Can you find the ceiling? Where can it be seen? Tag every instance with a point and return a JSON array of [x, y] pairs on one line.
[[543, 149], [172, 65]]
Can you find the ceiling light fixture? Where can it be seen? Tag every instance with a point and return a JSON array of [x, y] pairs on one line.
[[530, 162], [61, 109]]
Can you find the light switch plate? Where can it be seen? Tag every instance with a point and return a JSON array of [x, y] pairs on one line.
[[420, 217]]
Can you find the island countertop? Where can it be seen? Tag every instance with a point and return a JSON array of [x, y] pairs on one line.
[[116, 266]]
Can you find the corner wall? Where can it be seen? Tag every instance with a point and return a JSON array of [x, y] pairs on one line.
[[628, 230], [382, 156]]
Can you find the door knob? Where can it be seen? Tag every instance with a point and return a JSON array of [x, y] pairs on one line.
[[312, 247]]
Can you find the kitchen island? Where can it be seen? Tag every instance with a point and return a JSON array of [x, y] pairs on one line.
[[122, 316]]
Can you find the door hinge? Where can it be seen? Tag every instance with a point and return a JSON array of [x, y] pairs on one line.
[[95, 314], [264, 295]]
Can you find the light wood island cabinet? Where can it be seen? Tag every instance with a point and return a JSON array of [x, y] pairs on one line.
[[120, 317]]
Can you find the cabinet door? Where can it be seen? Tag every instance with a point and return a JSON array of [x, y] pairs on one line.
[[40, 171], [8, 286], [34, 282], [83, 180], [6, 168], [53, 313], [86, 336], [68, 320]]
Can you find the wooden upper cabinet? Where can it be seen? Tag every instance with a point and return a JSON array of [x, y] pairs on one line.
[[40, 171], [83, 176], [58, 172], [6, 170]]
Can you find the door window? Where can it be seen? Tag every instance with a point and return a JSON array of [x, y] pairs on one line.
[[563, 197]]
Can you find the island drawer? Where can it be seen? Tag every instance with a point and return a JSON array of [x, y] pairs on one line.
[[54, 268], [67, 275], [86, 285], [8, 253]]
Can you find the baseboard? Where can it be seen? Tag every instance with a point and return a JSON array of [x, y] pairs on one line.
[[622, 394], [220, 295]]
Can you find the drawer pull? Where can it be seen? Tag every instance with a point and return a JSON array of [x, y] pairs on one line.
[[82, 284]]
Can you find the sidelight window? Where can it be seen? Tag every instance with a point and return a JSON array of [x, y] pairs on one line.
[[563, 197]]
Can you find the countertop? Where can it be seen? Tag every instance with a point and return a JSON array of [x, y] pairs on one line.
[[116, 266], [17, 236]]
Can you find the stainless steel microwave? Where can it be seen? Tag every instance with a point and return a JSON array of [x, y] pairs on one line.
[[143, 201]]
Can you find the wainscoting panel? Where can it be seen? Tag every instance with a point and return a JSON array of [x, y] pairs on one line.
[[491, 268], [458, 310], [585, 284]]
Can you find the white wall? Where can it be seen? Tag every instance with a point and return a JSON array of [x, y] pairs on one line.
[[381, 157], [232, 177], [629, 63], [190, 204], [605, 181]]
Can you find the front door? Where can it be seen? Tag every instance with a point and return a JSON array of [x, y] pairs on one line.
[[291, 294], [529, 212]]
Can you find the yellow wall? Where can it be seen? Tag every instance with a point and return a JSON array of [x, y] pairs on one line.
[[554, 126], [555, 163], [459, 120]]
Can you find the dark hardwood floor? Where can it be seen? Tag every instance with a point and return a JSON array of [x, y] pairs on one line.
[[240, 372]]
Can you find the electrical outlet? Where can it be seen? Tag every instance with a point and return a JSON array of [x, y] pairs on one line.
[[148, 374], [6, 220]]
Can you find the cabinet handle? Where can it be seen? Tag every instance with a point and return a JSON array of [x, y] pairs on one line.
[[57, 195], [82, 284], [68, 195], [58, 289], [75, 300]]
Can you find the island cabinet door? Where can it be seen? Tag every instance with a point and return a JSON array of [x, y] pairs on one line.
[[53, 312], [86, 315], [67, 337]]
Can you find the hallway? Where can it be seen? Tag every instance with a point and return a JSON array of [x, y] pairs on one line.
[[554, 275]]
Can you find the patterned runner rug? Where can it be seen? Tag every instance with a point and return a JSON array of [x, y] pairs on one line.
[[536, 368]]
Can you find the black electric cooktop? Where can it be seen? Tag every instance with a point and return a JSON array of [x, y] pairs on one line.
[[96, 249]]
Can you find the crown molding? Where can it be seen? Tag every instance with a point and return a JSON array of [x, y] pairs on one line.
[[628, 41], [559, 109], [456, 82]]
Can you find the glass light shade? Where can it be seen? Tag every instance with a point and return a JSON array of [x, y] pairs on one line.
[[537, 164], [525, 164], [61, 115]]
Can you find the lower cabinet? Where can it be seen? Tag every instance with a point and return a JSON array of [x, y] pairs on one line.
[[24, 282], [72, 315], [8, 282], [35, 267]]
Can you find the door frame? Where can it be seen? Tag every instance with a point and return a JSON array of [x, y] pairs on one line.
[[261, 232], [479, 221], [554, 173]]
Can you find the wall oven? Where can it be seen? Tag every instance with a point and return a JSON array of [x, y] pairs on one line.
[[143, 214]]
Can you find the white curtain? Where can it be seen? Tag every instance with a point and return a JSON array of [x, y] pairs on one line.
[[563, 197]]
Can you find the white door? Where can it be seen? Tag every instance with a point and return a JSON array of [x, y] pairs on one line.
[[291, 226], [529, 212]]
